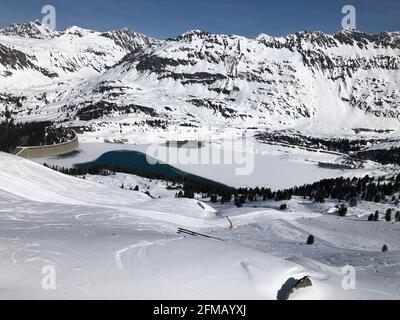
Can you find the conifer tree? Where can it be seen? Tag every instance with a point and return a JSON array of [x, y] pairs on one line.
[[388, 215]]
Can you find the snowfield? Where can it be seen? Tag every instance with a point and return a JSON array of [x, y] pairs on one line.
[[110, 243]]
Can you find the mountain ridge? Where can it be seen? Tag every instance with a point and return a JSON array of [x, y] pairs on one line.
[[121, 83]]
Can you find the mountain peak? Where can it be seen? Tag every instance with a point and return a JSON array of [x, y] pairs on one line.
[[78, 31], [192, 35], [129, 39], [384, 39], [31, 29]]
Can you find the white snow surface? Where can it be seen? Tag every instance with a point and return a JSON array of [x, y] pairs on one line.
[[108, 243]]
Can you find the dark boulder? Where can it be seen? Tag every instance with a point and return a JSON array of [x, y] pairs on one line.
[[291, 285]]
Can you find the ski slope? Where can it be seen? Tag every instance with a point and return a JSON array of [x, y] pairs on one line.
[[110, 243]]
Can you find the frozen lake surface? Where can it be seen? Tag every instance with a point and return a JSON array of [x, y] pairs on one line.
[[233, 164]]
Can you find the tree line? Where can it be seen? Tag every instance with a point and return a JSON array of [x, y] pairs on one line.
[[192, 184], [14, 134], [338, 144], [343, 189]]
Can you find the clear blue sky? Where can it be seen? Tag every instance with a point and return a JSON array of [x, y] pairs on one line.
[[166, 18]]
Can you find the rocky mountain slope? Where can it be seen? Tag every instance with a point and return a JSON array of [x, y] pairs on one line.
[[121, 84]]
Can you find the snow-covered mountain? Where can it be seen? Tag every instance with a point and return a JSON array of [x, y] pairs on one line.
[[33, 54], [122, 84]]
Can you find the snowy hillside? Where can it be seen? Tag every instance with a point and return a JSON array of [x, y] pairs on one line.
[[120, 85], [116, 243]]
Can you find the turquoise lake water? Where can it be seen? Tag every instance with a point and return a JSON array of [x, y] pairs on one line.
[[133, 160]]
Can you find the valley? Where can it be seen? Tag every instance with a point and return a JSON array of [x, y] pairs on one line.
[[209, 166]]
